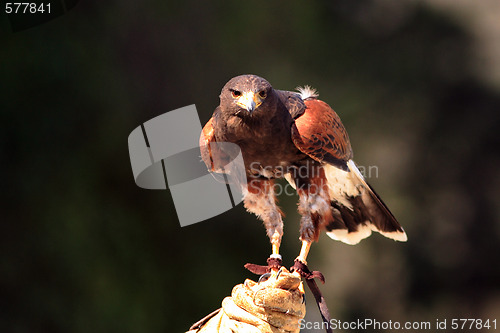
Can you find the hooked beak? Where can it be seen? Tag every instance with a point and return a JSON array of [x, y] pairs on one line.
[[249, 101]]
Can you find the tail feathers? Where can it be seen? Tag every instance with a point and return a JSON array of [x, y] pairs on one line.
[[357, 209]]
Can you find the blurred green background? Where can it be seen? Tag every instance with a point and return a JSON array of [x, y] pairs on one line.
[[83, 249]]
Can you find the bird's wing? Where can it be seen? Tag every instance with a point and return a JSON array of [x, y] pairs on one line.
[[319, 133], [292, 101], [217, 155], [356, 209], [207, 136]]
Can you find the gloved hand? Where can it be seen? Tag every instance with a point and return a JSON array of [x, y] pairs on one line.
[[275, 305]]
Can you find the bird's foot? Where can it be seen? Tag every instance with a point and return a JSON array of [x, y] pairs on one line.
[[274, 262], [273, 266], [301, 269]]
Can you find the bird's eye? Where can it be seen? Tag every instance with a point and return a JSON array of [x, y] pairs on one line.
[[262, 94], [235, 93]]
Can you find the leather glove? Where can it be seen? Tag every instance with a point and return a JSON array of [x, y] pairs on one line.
[[271, 306]]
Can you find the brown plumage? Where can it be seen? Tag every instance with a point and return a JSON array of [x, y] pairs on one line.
[[299, 137], [320, 134]]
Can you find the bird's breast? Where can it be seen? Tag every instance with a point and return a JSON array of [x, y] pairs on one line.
[[267, 148], [271, 157]]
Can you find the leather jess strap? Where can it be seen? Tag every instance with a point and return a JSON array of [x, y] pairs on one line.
[[309, 276], [261, 269]]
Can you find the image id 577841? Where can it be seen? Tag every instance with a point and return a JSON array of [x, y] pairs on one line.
[[26, 7]]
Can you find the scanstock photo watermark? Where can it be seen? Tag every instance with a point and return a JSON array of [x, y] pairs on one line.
[[165, 154], [374, 324]]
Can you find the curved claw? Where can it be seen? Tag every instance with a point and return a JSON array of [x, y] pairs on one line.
[[264, 277], [279, 272]]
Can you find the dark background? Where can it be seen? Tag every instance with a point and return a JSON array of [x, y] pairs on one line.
[[83, 249]]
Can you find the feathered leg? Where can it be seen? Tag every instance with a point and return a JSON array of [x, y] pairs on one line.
[[314, 206], [260, 199]]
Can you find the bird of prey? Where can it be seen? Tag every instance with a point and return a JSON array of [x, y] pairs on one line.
[[296, 136]]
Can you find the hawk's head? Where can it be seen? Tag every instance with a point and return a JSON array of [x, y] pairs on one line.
[[247, 96]]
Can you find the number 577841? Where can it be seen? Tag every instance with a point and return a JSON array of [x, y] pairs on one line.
[[26, 8]]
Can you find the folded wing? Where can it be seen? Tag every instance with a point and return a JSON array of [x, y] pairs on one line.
[[357, 210]]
